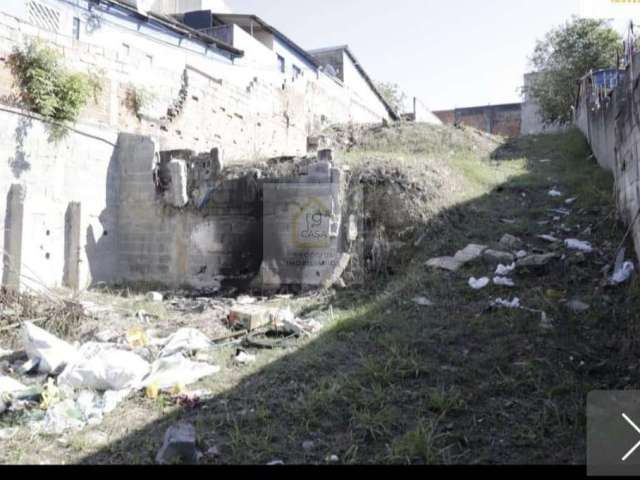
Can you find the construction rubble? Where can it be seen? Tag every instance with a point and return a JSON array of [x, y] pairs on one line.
[[52, 385]]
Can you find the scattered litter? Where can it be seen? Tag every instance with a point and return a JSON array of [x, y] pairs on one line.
[[622, 274], [554, 193], [333, 458], [177, 369], [104, 366], [544, 160], [48, 350], [499, 302], [61, 417], [8, 433], [508, 221], [573, 244], [245, 300], [503, 271], [106, 336], [185, 340], [571, 200], [478, 283], [521, 254], [560, 211], [154, 297], [9, 385], [136, 337], [249, 317], [244, 358], [276, 462], [577, 306], [179, 445], [549, 238], [503, 281], [422, 301]]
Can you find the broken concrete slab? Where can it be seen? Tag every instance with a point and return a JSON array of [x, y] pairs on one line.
[[249, 317], [496, 257], [176, 194], [445, 263], [470, 253], [536, 260], [179, 445]]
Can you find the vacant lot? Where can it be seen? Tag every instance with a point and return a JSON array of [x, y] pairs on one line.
[[391, 381]]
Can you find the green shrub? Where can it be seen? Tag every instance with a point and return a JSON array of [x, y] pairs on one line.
[[46, 87]]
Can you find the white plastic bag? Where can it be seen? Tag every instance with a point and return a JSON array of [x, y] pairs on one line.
[[104, 366], [573, 244], [48, 350], [167, 372], [185, 340], [478, 283], [9, 385]]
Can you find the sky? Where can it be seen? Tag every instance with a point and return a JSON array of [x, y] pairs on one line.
[[448, 53]]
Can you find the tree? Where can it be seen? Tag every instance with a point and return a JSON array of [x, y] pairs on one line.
[[395, 97], [566, 54]]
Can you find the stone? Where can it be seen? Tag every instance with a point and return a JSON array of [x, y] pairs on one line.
[[154, 297], [495, 257], [577, 306], [249, 317], [470, 253], [536, 260], [445, 263], [510, 242], [179, 445]]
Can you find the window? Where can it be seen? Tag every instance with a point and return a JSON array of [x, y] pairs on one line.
[[76, 28], [296, 72], [281, 65]]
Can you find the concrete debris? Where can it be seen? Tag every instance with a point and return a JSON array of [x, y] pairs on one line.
[[445, 263], [478, 283], [554, 193], [536, 260], [573, 244], [495, 257], [167, 372], [549, 238], [622, 274], [154, 297], [577, 306], [469, 253], [422, 301], [49, 351], [510, 242], [249, 317], [502, 270], [244, 358], [103, 366], [503, 282], [179, 445], [185, 340]]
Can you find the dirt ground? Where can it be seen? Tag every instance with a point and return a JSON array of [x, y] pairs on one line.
[[389, 381]]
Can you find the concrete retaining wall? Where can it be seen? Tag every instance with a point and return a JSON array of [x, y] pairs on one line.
[[612, 127]]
